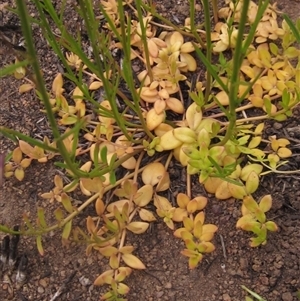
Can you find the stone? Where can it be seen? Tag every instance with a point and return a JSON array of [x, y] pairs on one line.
[[226, 297], [40, 290], [287, 296]]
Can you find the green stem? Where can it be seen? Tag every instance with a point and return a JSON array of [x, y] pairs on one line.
[[127, 67], [208, 49], [234, 80], [144, 38], [262, 6], [27, 32]]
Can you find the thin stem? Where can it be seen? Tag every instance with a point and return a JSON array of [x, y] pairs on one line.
[[77, 211], [27, 32], [188, 185], [138, 163], [208, 49], [234, 80], [215, 10], [144, 38]]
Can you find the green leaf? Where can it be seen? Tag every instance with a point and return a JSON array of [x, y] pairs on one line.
[[265, 203], [66, 201], [112, 178], [196, 164], [190, 244], [263, 233], [292, 26], [188, 224], [39, 245], [10, 69], [259, 298], [273, 48], [260, 215], [70, 187], [27, 222], [286, 98], [59, 215], [280, 117], [268, 105], [250, 204], [216, 166], [113, 161], [41, 217], [271, 226], [222, 60], [103, 154], [110, 226], [5, 229], [12, 134], [66, 232], [252, 226], [256, 241]]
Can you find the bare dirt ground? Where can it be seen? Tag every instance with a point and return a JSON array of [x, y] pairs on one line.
[[272, 271]]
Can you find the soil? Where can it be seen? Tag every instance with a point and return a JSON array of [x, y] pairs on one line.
[[272, 271]]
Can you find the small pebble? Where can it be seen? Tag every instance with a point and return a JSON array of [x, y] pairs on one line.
[[80, 261], [40, 290], [159, 294], [226, 297], [198, 7], [244, 263], [277, 126], [43, 283], [287, 296], [84, 281]]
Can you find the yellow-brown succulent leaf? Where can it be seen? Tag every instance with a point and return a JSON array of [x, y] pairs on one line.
[[146, 215], [182, 200], [222, 191], [237, 191], [168, 141], [19, 173], [179, 214], [265, 203], [133, 262], [153, 119], [105, 278], [185, 135], [99, 206], [284, 152], [208, 231], [119, 205], [153, 173], [192, 206], [188, 223], [175, 105], [252, 182], [211, 184], [193, 116], [143, 195], [137, 227]]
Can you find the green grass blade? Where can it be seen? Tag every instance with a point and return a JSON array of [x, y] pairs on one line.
[[10, 69], [292, 26]]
